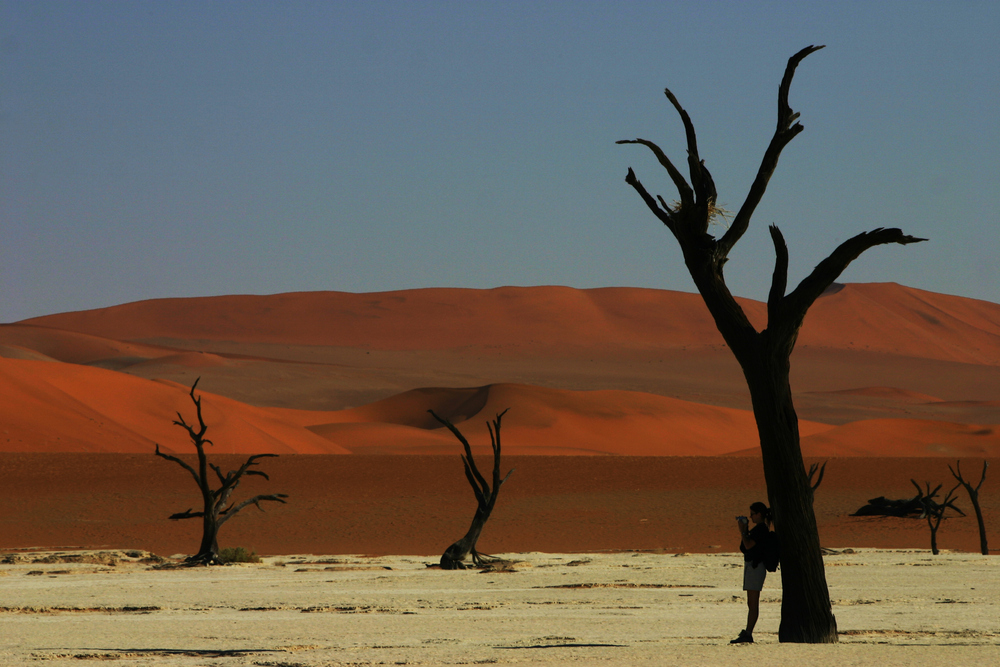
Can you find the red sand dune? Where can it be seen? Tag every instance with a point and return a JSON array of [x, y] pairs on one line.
[[873, 317], [69, 407], [549, 421], [887, 392], [905, 437], [65, 407], [74, 347], [51, 407]]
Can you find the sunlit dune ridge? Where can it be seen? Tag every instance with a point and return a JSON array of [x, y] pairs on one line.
[[882, 317], [881, 370]]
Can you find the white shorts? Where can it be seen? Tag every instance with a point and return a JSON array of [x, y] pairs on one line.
[[753, 577]]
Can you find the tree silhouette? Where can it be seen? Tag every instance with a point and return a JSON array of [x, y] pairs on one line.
[[933, 511], [973, 492], [216, 510], [455, 555], [806, 614]]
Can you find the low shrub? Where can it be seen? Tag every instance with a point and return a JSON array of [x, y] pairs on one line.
[[238, 555]]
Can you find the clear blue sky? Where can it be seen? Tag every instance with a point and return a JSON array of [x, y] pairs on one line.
[[172, 149]]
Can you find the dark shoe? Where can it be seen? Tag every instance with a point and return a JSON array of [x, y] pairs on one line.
[[744, 638]]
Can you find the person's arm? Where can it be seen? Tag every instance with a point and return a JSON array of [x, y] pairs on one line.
[[748, 542]]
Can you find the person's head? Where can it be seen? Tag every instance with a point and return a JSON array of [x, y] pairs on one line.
[[759, 513]]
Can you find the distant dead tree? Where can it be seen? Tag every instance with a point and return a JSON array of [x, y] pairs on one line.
[[973, 492], [813, 469], [216, 510], [455, 555], [806, 614], [933, 511]]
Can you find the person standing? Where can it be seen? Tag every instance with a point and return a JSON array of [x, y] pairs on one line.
[[753, 545]]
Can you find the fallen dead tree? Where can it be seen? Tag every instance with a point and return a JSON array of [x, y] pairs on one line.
[[921, 506], [917, 507]]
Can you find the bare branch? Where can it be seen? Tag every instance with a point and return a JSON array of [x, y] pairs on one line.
[[664, 213], [683, 189], [812, 286], [256, 500], [495, 444], [470, 463], [812, 471], [704, 187], [472, 474], [961, 480], [779, 279], [783, 134], [218, 472], [179, 462]]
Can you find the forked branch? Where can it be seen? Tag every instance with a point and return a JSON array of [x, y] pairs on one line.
[[812, 471], [786, 130], [973, 492], [790, 310]]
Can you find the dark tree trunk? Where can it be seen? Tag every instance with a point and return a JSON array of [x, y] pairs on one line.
[[806, 614], [208, 551], [454, 556], [216, 508]]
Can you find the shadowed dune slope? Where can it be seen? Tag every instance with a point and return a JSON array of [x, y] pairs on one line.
[[50, 407], [74, 347], [883, 317], [548, 421], [53, 407]]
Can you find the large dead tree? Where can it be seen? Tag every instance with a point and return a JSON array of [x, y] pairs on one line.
[[217, 509], [806, 615], [973, 492], [486, 497]]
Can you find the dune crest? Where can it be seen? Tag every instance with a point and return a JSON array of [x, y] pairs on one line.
[[882, 317], [51, 407], [619, 371]]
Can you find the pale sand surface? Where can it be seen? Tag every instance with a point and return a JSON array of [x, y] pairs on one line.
[[892, 607]]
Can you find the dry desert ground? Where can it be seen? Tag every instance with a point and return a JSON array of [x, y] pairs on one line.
[[893, 607]]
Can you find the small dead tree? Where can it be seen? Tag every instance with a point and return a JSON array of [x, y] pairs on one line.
[[813, 469], [455, 555], [216, 510], [806, 611], [933, 511], [973, 492]]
